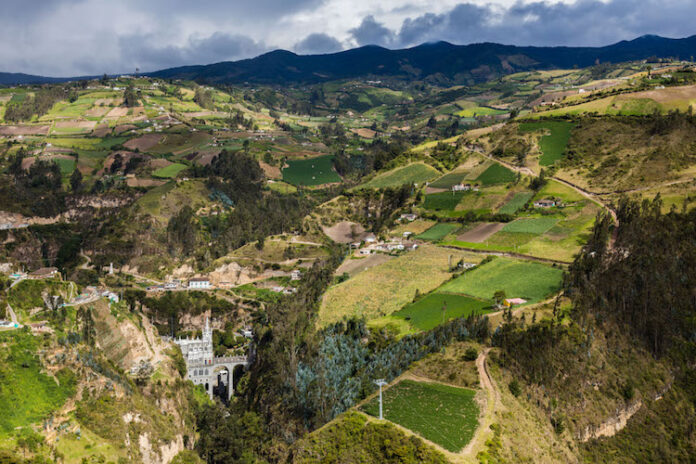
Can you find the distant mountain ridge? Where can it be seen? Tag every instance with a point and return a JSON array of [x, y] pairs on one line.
[[440, 60], [436, 61]]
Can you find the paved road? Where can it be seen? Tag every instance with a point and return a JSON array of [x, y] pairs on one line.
[[13, 316]]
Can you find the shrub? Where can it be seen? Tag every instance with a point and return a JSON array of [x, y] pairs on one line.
[[471, 354], [515, 388]]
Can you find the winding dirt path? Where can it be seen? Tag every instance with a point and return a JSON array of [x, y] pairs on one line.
[[493, 405]]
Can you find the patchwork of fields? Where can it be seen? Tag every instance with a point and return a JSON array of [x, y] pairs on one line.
[[383, 289]]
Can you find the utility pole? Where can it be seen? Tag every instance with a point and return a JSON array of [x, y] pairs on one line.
[[381, 383]]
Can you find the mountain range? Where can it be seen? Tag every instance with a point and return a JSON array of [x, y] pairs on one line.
[[433, 61]]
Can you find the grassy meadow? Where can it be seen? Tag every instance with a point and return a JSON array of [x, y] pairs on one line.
[[28, 394]]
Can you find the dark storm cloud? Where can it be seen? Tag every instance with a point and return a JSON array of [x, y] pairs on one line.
[[317, 43], [218, 47], [370, 32], [77, 37], [585, 22]]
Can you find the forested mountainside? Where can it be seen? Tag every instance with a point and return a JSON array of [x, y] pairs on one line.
[[350, 271]]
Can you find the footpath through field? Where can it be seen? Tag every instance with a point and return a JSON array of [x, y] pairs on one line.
[[507, 254]]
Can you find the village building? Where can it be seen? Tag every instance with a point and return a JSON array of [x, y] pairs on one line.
[[201, 283], [295, 274], [370, 238], [45, 273], [461, 187]]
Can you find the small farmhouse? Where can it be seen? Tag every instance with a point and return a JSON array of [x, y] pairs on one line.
[[461, 187], [510, 302], [545, 203]]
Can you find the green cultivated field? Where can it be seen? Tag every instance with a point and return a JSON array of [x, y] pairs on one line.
[[438, 231], [170, 171], [496, 174], [552, 145], [416, 173], [519, 279], [427, 312], [282, 187], [312, 171], [479, 111], [442, 414], [94, 144], [448, 180], [67, 166], [445, 201], [530, 225], [516, 203]]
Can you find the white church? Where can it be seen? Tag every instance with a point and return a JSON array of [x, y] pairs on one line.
[[203, 368]]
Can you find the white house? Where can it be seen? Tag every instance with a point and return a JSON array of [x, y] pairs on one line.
[[296, 274], [544, 203], [461, 187], [199, 283]]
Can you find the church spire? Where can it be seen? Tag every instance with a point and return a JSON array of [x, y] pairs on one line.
[[207, 327]]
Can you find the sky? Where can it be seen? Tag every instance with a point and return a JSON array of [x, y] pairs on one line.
[[89, 37]]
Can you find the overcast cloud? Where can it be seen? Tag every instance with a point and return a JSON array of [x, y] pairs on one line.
[[81, 37]]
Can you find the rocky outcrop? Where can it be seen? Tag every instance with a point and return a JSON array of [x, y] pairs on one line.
[[612, 425]]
